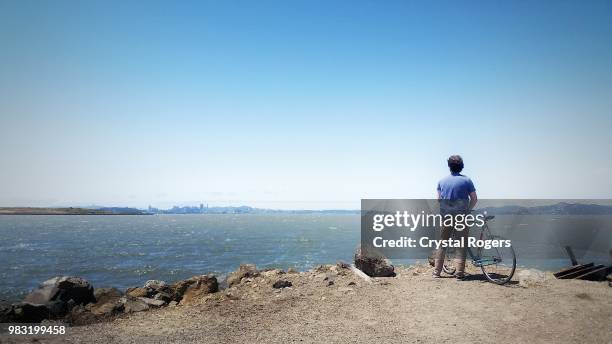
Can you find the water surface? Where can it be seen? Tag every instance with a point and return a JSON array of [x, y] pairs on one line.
[[125, 251]]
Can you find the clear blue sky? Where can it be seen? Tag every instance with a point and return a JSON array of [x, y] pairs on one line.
[[301, 104]]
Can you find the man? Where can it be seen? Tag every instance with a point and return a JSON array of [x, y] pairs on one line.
[[457, 195]]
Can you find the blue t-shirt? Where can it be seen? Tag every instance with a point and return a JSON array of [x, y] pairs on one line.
[[456, 187]]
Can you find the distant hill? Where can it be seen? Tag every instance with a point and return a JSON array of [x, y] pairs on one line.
[[562, 208], [69, 211], [122, 211], [98, 210]]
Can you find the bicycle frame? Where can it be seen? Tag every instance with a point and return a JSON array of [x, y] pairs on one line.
[[477, 259]]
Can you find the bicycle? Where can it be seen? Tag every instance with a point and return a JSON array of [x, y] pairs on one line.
[[497, 263]]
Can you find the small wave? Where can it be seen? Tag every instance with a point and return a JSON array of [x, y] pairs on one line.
[[19, 246]]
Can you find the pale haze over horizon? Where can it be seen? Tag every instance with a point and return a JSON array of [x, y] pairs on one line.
[[301, 104]]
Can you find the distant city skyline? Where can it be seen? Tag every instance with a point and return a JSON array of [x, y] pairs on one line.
[[301, 104]]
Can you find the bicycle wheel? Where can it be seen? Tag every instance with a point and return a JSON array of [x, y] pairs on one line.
[[497, 263]]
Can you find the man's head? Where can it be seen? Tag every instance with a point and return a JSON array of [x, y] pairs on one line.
[[455, 163]]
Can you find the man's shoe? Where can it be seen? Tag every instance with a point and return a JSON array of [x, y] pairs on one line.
[[435, 274]]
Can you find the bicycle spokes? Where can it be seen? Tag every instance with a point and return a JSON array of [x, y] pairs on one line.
[[498, 264]]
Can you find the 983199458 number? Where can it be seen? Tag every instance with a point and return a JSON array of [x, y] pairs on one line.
[[36, 330]]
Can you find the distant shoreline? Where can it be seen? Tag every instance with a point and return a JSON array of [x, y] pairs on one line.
[[560, 208], [173, 211], [64, 211]]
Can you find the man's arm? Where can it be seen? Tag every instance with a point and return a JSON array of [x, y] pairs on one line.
[[473, 200]]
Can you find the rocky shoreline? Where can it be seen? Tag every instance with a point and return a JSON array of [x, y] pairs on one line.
[[335, 303], [329, 303], [74, 301]]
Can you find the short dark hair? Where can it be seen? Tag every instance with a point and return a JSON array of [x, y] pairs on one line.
[[455, 163]]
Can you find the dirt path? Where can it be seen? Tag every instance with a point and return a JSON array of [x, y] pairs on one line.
[[410, 308]]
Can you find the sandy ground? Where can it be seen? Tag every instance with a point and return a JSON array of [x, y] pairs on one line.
[[410, 308]]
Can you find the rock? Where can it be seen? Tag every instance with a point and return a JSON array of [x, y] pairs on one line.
[[322, 268], [104, 294], [152, 302], [155, 285], [172, 304], [108, 309], [46, 292], [80, 315], [352, 283], [373, 265], [62, 289], [245, 270], [281, 284], [584, 296], [272, 273], [138, 292], [205, 283], [57, 296], [199, 288], [531, 277], [132, 304], [341, 269], [329, 277], [108, 302], [58, 308], [342, 265], [6, 313], [179, 288], [292, 271], [345, 290], [71, 304], [30, 313], [164, 296]]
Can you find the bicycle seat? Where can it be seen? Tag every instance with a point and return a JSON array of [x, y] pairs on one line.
[[489, 217]]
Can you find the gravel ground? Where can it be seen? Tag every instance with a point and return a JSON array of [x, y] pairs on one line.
[[409, 308]]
